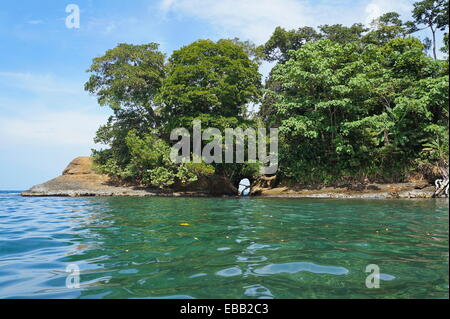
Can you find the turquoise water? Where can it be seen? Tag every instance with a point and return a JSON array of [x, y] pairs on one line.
[[230, 248]]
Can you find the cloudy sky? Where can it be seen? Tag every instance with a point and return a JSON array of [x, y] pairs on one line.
[[46, 119]]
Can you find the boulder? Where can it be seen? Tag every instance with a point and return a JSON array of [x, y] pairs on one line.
[[80, 165]]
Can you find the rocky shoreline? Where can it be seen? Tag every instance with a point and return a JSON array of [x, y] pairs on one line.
[[79, 179], [378, 191]]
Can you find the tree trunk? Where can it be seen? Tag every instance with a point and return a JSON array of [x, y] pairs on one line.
[[434, 43]]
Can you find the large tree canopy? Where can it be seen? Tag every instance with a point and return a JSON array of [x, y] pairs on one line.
[[209, 77], [127, 76], [282, 41]]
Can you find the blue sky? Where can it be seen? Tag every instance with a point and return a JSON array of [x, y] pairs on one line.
[[46, 119]]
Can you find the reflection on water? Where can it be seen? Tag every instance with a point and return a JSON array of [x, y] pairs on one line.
[[296, 267], [228, 248]]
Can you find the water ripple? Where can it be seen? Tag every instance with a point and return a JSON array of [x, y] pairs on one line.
[[231, 248], [296, 267]]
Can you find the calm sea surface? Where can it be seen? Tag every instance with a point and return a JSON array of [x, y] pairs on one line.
[[227, 248]]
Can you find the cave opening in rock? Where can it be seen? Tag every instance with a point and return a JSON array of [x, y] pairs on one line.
[[244, 187]]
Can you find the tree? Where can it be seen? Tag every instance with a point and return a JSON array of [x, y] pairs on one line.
[[342, 34], [127, 76], [350, 103], [352, 110], [385, 28], [434, 15], [445, 47], [211, 81], [255, 53], [282, 41], [209, 77]]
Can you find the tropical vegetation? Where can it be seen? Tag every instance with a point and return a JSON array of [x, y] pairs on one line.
[[352, 103]]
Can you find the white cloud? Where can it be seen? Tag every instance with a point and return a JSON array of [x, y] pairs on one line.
[[253, 19], [35, 22], [166, 4], [373, 11], [256, 19], [50, 129], [45, 121], [47, 110], [377, 8], [103, 26], [39, 83]]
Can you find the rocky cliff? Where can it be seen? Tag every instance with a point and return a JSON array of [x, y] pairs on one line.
[[79, 179]]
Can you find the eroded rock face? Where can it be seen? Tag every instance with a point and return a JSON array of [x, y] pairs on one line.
[[79, 179], [80, 165]]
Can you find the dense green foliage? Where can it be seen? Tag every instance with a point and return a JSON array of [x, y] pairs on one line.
[[211, 81], [359, 111], [351, 103], [209, 77]]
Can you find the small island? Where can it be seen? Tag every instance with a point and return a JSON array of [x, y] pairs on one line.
[[311, 164], [359, 113]]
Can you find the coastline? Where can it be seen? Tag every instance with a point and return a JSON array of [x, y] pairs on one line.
[[384, 191], [79, 179]]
